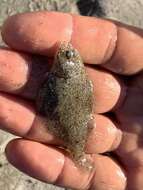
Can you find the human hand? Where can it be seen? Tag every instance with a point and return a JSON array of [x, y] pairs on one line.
[[113, 55]]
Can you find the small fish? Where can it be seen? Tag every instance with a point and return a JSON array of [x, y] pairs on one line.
[[66, 99]]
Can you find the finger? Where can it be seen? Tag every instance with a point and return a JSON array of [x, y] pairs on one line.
[[104, 136], [108, 91], [127, 56], [133, 103], [130, 148], [108, 174], [14, 70], [97, 40], [131, 123], [41, 31], [19, 118], [45, 163], [51, 166], [16, 115], [22, 74]]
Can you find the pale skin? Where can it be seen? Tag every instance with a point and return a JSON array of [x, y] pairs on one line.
[[115, 52]]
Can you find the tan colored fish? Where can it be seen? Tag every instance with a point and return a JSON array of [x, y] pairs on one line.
[[66, 100]]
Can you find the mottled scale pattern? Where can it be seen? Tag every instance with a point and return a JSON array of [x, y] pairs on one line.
[[66, 100]]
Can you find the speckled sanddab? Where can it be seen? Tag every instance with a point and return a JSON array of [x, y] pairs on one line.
[[65, 99]]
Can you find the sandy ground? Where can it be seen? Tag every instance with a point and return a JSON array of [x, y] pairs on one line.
[[128, 11]]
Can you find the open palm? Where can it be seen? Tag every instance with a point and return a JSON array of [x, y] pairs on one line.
[[113, 55]]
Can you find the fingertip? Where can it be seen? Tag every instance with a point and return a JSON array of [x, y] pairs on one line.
[[8, 147], [109, 174], [14, 70], [37, 160], [95, 38], [79, 178], [127, 57], [37, 32], [103, 135], [16, 115], [107, 90], [46, 164], [11, 151], [40, 32]]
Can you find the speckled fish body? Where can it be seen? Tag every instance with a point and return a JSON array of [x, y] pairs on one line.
[[65, 99]]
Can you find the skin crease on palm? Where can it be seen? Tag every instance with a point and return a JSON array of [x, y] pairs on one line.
[[113, 56]]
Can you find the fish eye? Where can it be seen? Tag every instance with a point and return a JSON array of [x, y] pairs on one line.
[[69, 54]]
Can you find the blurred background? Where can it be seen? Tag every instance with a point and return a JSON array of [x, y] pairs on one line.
[[127, 11]]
